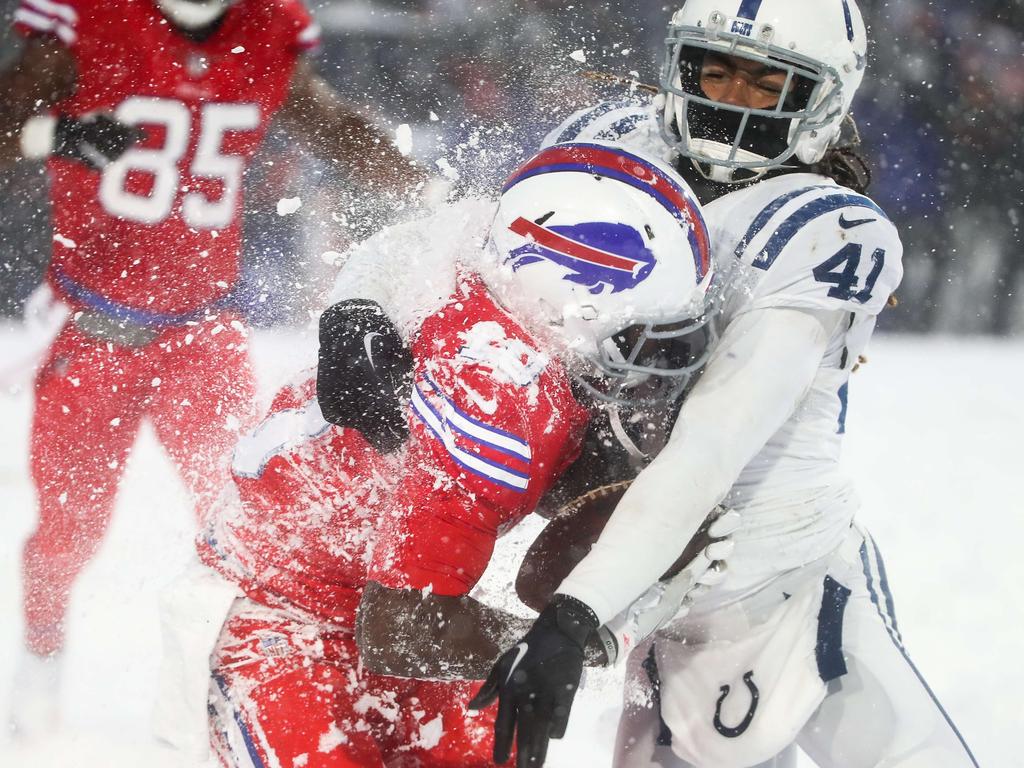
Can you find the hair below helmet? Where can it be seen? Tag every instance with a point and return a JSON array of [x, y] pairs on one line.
[[820, 46], [604, 255]]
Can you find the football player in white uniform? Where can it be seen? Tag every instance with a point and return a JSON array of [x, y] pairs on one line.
[[799, 643]]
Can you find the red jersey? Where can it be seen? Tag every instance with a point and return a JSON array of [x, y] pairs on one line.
[[156, 236], [493, 423]]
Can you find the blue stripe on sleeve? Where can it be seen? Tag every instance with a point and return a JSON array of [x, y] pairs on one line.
[[620, 128], [762, 219], [803, 216], [573, 129]]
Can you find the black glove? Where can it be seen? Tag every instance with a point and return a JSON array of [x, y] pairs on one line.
[[95, 139], [535, 682], [364, 373]]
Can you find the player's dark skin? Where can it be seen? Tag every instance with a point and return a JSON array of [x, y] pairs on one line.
[[740, 82], [46, 73]]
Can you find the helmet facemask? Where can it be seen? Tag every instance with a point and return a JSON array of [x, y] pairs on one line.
[[649, 364], [731, 143]]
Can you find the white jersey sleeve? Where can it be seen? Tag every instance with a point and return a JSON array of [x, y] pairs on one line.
[[410, 268], [757, 376], [631, 122], [810, 244]]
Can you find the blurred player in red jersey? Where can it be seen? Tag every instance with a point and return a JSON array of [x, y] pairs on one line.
[[455, 386], [153, 110]]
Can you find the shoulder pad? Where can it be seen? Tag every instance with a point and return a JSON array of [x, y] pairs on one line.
[[607, 121], [823, 247]]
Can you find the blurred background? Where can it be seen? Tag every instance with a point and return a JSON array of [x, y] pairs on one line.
[[479, 84]]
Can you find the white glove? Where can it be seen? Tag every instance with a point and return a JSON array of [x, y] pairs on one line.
[[672, 599]]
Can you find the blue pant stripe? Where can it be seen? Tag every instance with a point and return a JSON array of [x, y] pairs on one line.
[[883, 583], [250, 745], [899, 647]]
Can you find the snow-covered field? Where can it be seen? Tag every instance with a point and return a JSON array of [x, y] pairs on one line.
[[933, 439]]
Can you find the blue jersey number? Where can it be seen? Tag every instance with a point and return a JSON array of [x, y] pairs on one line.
[[841, 271]]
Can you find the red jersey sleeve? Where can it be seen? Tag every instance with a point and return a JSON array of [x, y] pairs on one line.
[[303, 29], [55, 18], [493, 423]]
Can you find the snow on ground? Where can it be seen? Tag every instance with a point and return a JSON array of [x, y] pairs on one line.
[[933, 442]]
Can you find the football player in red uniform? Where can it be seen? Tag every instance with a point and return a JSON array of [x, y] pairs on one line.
[[152, 110], [455, 385]]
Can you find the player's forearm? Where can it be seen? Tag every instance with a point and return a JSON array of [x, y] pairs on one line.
[[761, 370], [317, 116], [43, 75], [407, 633]]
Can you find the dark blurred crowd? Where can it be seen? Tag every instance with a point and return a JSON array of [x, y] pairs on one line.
[[474, 86]]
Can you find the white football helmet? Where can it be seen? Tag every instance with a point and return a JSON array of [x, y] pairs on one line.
[[821, 46], [604, 255], [193, 14]]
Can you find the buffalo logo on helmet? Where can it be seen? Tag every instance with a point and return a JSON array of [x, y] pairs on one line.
[[597, 254], [603, 255]]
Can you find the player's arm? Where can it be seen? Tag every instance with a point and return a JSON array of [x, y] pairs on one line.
[[765, 363], [44, 74], [410, 633], [317, 115]]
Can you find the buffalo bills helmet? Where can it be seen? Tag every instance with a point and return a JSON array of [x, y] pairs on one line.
[[820, 46], [193, 15], [604, 255]]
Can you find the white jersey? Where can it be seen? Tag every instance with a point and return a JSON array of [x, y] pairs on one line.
[[793, 242], [796, 241], [801, 241]]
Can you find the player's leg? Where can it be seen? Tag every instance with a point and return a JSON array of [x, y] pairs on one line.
[[205, 396], [881, 712], [87, 412], [276, 701]]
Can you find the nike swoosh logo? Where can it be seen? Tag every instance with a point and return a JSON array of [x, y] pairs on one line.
[[368, 346], [521, 650], [848, 224]]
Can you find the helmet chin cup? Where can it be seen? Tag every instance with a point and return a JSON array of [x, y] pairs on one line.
[[726, 174]]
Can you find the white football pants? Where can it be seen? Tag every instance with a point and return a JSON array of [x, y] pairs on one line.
[[880, 714]]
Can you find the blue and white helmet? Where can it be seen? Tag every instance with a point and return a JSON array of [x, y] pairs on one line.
[[821, 46], [604, 255]]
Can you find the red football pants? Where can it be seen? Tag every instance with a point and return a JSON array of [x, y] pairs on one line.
[[288, 692], [196, 386]]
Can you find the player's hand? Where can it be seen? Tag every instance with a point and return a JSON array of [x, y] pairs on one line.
[[96, 139], [536, 681], [363, 372]]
